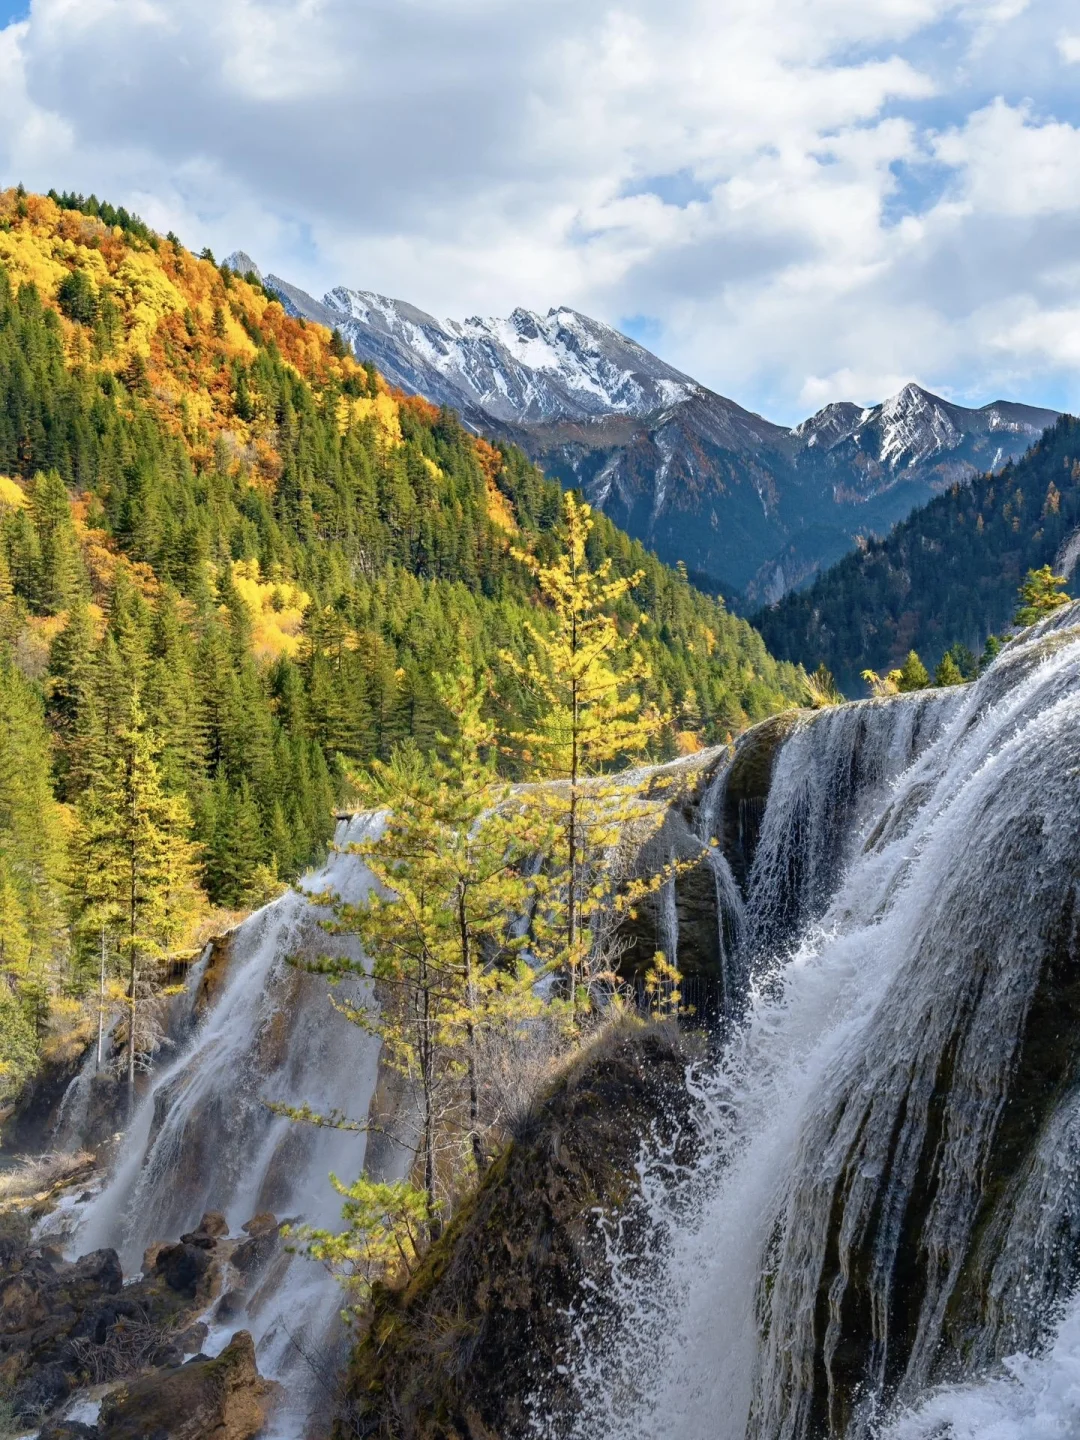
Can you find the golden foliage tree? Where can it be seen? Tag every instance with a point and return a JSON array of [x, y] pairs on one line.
[[584, 673], [438, 928]]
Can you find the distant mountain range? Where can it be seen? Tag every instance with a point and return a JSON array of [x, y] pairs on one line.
[[752, 508], [946, 575]]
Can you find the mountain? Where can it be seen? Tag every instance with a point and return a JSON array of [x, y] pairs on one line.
[[747, 505], [946, 575], [234, 563]]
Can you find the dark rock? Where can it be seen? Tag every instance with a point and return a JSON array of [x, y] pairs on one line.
[[747, 790], [190, 1340], [60, 1322], [68, 1430], [232, 1304], [42, 1389], [182, 1267], [208, 1231], [225, 1398], [251, 1255], [261, 1224], [91, 1275], [14, 1236], [500, 1288], [22, 1298]]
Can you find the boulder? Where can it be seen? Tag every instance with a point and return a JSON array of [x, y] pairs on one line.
[[208, 1231], [45, 1387], [251, 1255], [261, 1224], [221, 1399], [14, 1236], [68, 1430], [232, 1304], [183, 1267], [190, 1341]]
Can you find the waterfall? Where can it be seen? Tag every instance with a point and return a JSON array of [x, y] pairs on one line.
[[882, 1238], [203, 1139]]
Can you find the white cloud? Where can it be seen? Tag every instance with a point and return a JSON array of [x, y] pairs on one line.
[[856, 211], [1069, 48]]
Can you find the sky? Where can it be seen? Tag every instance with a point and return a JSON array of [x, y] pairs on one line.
[[794, 201]]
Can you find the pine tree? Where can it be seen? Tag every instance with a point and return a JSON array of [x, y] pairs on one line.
[[1040, 594], [584, 677], [438, 928], [913, 674], [135, 865], [59, 570], [948, 672]]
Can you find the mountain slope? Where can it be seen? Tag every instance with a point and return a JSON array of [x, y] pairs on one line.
[[948, 574], [747, 505], [210, 506]]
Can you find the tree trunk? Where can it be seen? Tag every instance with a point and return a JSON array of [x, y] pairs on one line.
[[427, 1081], [133, 976], [470, 1033], [572, 845]]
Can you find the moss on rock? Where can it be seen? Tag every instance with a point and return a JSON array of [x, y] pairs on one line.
[[484, 1324]]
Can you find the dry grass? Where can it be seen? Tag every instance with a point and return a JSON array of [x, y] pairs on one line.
[[41, 1176]]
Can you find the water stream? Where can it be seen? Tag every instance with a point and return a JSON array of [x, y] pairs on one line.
[[883, 1238], [203, 1139]]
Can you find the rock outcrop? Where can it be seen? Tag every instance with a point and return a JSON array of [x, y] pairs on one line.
[[64, 1324], [221, 1399], [485, 1322]]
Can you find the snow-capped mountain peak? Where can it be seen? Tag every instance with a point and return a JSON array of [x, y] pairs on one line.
[[525, 368], [687, 471], [914, 425], [830, 425]]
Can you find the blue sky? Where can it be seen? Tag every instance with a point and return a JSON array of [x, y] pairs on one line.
[[796, 201]]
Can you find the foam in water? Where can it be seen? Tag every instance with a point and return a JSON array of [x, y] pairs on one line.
[[202, 1138], [881, 1041]]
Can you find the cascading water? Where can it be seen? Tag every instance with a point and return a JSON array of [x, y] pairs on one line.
[[887, 1209], [203, 1139]]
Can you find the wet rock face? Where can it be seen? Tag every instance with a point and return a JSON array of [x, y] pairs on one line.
[[225, 1398], [747, 791], [485, 1323]]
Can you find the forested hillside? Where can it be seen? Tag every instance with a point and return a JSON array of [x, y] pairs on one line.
[[231, 562], [947, 575]]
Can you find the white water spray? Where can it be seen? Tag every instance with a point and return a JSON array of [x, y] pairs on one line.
[[202, 1137], [854, 1255]]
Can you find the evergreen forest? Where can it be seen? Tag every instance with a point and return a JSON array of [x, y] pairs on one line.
[[234, 565], [945, 577]]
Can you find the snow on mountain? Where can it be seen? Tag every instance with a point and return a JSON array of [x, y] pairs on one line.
[[525, 369], [915, 428], [746, 503], [830, 425]]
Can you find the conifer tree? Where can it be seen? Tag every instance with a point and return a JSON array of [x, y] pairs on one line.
[[948, 672], [1040, 594], [913, 674], [438, 928], [584, 676], [58, 570], [135, 864]]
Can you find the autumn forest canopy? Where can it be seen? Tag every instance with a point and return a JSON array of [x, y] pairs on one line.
[[233, 566]]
